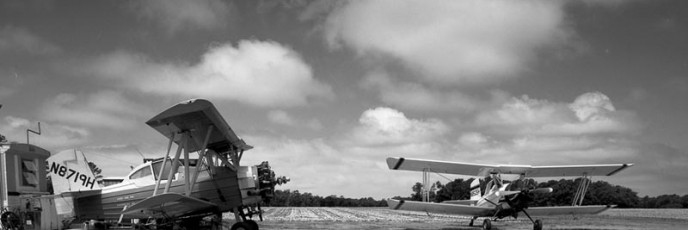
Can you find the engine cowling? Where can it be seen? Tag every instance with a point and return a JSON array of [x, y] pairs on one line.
[[267, 180]]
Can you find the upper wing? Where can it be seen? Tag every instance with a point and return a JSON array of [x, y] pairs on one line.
[[457, 209], [197, 116], [168, 204], [567, 210], [471, 169]]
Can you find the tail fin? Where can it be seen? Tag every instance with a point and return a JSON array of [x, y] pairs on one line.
[[69, 172], [476, 194]]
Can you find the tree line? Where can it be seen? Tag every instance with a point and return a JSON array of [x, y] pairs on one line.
[[288, 198], [598, 193]]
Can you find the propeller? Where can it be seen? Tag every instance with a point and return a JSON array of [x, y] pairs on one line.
[[537, 190], [541, 190]]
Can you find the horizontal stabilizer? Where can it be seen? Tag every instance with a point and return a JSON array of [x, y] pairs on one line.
[[471, 169]]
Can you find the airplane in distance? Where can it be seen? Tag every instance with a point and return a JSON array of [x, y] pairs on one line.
[[494, 199], [173, 192]]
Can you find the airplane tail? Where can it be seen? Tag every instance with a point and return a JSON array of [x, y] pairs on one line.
[[476, 194], [69, 172]]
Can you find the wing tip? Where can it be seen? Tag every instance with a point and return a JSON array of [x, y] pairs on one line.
[[624, 166], [394, 163]]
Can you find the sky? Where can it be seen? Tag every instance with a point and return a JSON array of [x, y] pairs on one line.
[[327, 90]]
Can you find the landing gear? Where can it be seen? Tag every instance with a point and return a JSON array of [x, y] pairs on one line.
[[241, 226], [242, 218], [473, 219], [537, 225], [487, 224], [252, 223], [245, 225]]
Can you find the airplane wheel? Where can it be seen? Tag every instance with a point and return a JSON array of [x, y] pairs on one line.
[[252, 223], [537, 225], [487, 224], [241, 226]]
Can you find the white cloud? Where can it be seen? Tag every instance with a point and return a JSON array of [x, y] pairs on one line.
[[452, 41], [474, 140], [107, 109], [281, 117], [256, 73], [388, 126], [176, 15], [53, 136], [409, 95], [591, 113], [528, 131], [16, 40]]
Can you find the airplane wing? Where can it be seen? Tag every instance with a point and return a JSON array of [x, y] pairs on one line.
[[168, 205], [568, 210], [197, 116], [457, 209], [472, 169]]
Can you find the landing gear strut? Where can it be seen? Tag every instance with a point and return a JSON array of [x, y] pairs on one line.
[[244, 223], [537, 224]]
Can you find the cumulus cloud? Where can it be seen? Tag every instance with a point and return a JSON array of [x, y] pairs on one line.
[[283, 118], [254, 72], [177, 15], [423, 97], [388, 126], [410, 95], [16, 40], [53, 136], [106, 109], [451, 41], [526, 130], [590, 113]]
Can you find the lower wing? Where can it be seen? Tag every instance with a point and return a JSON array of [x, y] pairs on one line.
[[169, 205], [446, 208], [568, 210]]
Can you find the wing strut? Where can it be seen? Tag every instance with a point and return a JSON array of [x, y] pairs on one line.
[[582, 189], [201, 156], [162, 167], [426, 190]]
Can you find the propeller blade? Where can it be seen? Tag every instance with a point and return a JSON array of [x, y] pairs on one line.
[[542, 190], [506, 193]]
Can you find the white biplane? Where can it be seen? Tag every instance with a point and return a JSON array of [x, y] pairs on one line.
[[174, 192], [494, 199]]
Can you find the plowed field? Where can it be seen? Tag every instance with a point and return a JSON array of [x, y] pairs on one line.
[[384, 218]]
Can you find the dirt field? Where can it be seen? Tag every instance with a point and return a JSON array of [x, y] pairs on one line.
[[383, 218]]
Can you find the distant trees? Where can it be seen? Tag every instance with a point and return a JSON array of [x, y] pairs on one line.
[[599, 192], [664, 201], [288, 198], [458, 189]]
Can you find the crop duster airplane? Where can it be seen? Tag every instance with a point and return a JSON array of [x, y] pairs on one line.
[[173, 192], [496, 201]]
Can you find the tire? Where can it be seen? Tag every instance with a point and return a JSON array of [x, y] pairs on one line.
[[241, 226], [252, 223], [487, 224], [11, 220], [537, 225]]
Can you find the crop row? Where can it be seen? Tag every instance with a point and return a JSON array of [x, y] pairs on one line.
[[350, 214]]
